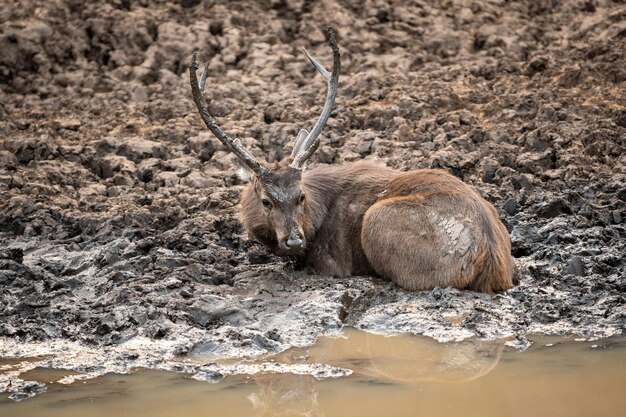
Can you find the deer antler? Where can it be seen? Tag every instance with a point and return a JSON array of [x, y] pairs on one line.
[[307, 143], [234, 145]]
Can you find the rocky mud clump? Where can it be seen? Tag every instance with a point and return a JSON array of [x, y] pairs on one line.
[[119, 235]]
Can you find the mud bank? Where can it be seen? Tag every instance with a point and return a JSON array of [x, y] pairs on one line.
[[118, 218]]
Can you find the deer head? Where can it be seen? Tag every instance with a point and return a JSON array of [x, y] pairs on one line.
[[275, 208]]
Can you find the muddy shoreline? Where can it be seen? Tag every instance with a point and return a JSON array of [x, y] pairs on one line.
[[118, 216]]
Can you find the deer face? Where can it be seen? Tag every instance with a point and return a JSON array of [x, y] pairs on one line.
[[274, 209]]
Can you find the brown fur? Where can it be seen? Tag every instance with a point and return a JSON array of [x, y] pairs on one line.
[[421, 229]]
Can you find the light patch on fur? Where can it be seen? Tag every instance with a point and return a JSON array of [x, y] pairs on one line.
[[244, 174], [459, 236]]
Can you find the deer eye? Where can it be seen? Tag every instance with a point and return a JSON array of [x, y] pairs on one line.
[[301, 199], [266, 203]]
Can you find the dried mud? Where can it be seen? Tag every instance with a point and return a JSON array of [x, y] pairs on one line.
[[119, 240]]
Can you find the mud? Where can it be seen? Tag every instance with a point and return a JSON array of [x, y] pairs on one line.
[[118, 222]]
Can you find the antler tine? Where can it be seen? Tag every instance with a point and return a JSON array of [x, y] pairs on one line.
[[234, 145], [311, 142]]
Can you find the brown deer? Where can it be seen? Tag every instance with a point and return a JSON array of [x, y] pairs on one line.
[[421, 229]]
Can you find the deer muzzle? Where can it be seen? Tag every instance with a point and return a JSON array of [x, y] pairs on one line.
[[295, 241]]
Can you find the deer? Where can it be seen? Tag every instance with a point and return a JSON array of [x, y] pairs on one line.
[[421, 229]]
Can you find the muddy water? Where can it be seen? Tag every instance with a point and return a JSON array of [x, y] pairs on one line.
[[403, 376]]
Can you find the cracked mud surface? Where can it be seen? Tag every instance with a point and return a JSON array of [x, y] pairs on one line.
[[118, 216]]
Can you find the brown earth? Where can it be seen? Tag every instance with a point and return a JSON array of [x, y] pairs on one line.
[[118, 210]]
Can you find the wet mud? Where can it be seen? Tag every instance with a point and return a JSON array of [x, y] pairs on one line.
[[118, 212]]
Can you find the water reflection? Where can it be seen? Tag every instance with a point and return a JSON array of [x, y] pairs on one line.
[[402, 358], [286, 395], [376, 360], [411, 359]]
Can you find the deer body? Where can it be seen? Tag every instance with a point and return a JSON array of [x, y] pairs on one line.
[[421, 229]]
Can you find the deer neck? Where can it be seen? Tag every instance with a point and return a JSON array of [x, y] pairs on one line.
[[323, 187]]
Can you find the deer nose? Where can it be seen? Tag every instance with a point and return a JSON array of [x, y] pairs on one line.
[[294, 242]]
